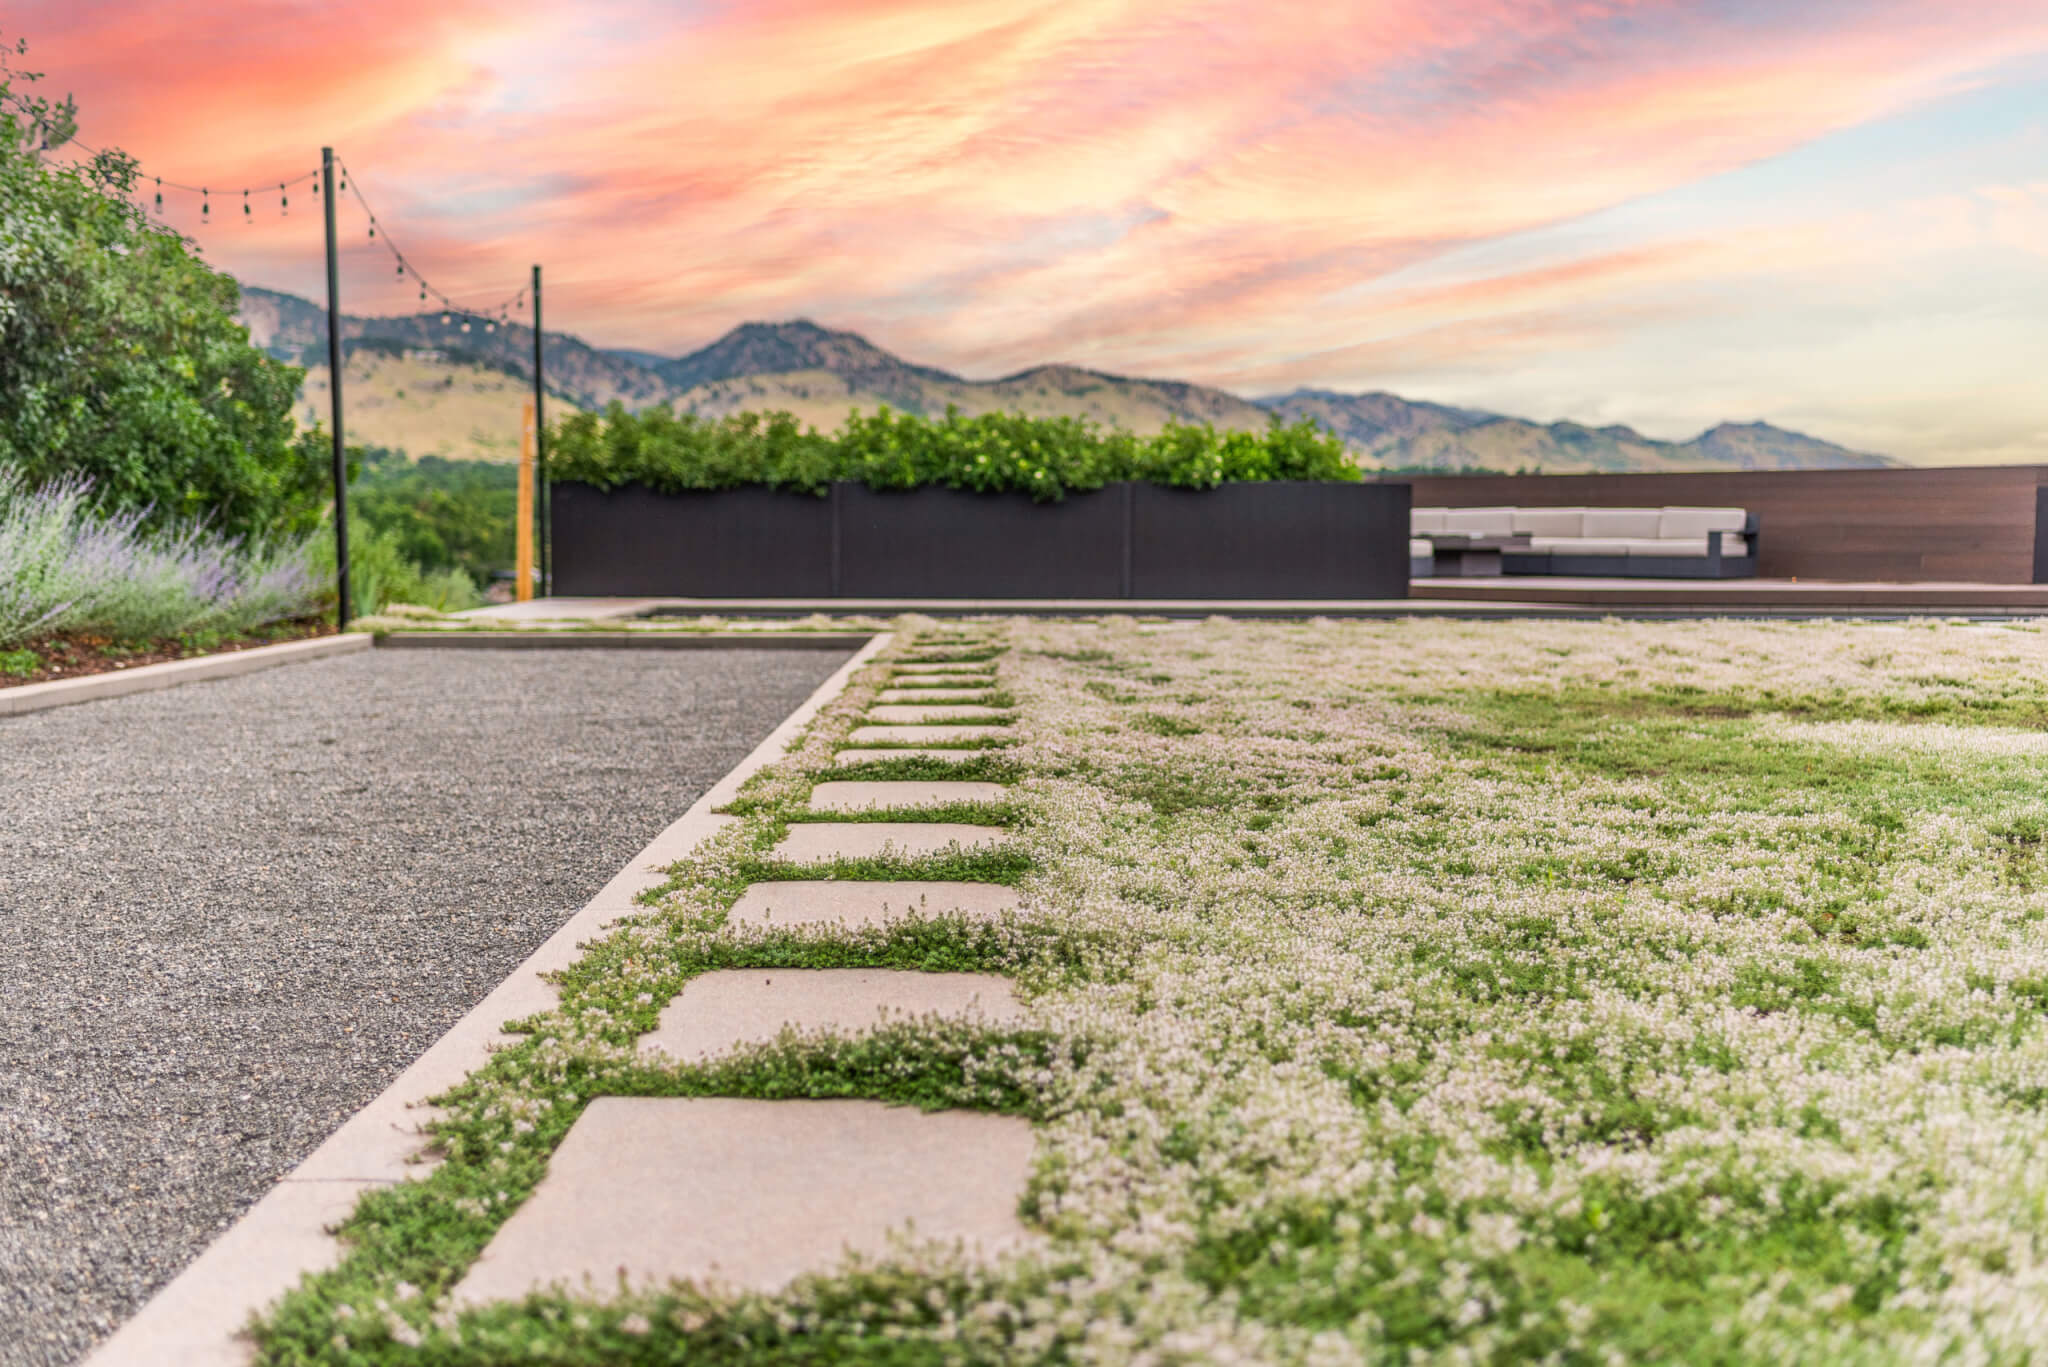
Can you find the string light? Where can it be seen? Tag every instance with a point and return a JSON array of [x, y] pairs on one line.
[[449, 309]]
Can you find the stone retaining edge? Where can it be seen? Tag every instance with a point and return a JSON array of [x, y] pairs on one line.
[[196, 1320], [536, 638], [119, 683]]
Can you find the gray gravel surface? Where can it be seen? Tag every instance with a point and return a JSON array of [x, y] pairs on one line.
[[231, 913]]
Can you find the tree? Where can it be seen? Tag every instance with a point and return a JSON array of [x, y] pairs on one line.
[[120, 356]]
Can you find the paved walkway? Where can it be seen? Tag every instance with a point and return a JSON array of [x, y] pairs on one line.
[[750, 1194], [232, 912]]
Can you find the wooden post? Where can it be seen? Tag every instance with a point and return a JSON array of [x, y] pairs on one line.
[[523, 523]]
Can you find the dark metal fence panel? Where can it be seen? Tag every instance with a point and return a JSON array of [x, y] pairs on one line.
[[734, 543], [1268, 541], [1245, 541], [949, 543]]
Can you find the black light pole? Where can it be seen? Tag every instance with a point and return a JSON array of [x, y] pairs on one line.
[[334, 385], [540, 439]]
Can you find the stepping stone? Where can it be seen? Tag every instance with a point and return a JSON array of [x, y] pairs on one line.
[[855, 797], [848, 903], [913, 716], [915, 683], [847, 757], [925, 735], [715, 1012], [812, 841], [925, 696], [748, 1195], [954, 667]]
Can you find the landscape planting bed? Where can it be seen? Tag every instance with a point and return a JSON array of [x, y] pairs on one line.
[[73, 655], [1476, 992], [1271, 539]]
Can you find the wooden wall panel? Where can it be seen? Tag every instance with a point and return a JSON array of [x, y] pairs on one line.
[[1974, 523]]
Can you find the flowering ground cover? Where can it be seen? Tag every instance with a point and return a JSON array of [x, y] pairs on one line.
[[1438, 991]]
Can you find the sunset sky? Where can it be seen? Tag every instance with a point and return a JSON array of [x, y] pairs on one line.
[[1827, 214]]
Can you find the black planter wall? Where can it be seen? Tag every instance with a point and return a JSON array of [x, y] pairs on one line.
[[1239, 541]]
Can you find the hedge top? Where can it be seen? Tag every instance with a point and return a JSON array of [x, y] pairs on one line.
[[1047, 458]]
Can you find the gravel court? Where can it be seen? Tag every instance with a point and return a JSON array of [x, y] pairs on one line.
[[231, 913]]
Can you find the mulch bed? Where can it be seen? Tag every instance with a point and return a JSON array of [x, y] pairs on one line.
[[70, 655]]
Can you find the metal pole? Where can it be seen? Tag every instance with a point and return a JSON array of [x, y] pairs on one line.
[[334, 386], [540, 438]]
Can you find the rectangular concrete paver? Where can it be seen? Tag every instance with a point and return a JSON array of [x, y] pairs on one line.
[[956, 667], [914, 716], [751, 1194], [848, 903], [922, 697], [847, 757], [811, 841], [925, 735], [856, 797], [717, 1011]]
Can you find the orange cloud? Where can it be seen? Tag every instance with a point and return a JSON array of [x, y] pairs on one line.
[[1203, 189]]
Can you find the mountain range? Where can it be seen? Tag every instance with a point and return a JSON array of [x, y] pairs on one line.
[[424, 386]]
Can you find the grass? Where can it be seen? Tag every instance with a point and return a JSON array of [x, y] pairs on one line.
[[1420, 992]]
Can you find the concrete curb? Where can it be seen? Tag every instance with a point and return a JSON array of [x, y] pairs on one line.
[[196, 1320], [537, 638], [120, 683]]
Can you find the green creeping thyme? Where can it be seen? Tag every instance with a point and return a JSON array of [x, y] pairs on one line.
[[1425, 991]]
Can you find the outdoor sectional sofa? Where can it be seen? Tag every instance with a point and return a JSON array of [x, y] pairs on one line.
[[1649, 543]]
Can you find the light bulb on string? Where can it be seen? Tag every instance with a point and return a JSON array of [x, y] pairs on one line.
[[205, 207], [159, 194], [373, 227], [248, 215], [444, 320], [465, 325], [284, 201]]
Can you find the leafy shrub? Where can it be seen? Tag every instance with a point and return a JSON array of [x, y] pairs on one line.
[[1047, 458], [120, 358], [443, 514], [381, 573], [66, 564]]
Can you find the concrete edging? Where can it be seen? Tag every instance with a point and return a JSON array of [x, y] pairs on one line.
[[535, 638], [120, 683], [196, 1319]]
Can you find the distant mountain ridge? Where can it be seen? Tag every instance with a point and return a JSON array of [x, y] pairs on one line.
[[819, 373]]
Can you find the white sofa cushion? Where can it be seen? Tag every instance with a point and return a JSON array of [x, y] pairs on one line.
[[1421, 548], [1633, 523], [1698, 521], [1480, 521], [1686, 545], [1550, 521], [1425, 520], [1580, 545]]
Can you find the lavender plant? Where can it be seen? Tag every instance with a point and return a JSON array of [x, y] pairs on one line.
[[67, 565]]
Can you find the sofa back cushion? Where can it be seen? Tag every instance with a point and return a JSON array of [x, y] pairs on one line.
[[1673, 522], [1627, 522], [1425, 520], [1480, 521], [1550, 521]]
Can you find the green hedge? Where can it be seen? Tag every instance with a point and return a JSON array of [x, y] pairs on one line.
[[994, 453]]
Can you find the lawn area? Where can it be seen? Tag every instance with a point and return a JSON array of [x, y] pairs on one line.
[[1464, 992]]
